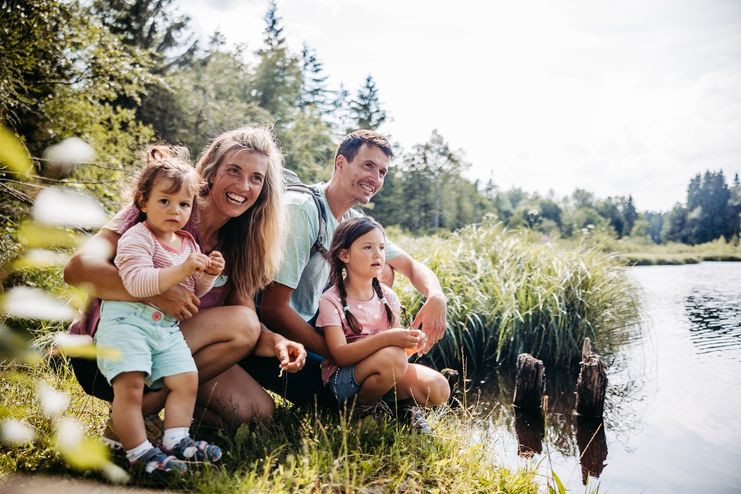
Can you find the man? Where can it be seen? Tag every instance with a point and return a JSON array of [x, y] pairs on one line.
[[289, 304]]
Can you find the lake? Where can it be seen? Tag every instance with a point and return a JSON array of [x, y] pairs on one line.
[[674, 395]]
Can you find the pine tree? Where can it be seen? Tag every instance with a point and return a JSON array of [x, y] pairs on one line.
[[277, 81], [366, 107], [314, 93], [629, 213], [151, 25]]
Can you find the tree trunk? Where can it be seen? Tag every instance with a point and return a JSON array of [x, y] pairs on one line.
[[529, 383], [592, 383]]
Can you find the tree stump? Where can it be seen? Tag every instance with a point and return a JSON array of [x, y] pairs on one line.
[[591, 384], [529, 383]]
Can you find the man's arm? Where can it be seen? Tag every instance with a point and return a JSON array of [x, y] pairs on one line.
[[431, 317], [277, 313]]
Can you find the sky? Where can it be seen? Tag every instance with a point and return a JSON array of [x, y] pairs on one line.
[[628, 97]]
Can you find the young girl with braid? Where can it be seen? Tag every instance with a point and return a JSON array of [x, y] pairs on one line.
[[359, 317]]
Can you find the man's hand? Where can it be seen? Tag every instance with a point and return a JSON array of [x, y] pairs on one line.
[[215, 263], [290, 354], [431, 319], [176, 302]]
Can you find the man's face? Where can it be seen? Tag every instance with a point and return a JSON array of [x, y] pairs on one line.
[[363, 177]]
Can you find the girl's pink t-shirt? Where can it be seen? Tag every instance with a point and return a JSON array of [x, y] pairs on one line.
[[371, 314]]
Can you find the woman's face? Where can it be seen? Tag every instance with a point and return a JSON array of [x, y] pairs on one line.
[[238, 181]]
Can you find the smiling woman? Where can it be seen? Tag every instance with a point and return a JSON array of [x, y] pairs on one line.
[[239, 212]]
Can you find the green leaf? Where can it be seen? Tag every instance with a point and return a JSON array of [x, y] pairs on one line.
[[13, 154]]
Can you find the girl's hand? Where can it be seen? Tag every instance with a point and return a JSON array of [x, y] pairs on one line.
[[404, 338], [215, 263], [290, 354], [195, 262]]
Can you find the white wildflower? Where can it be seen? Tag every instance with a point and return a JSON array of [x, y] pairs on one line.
[[64, 207], [69, 433], [32, 303], [70, 151], [16, 432], [114, 473], [53, 402]]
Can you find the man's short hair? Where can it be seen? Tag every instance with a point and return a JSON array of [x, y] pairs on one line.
[[353, 141]]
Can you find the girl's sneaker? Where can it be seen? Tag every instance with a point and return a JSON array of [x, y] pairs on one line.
[[154, 462], [190, 450]]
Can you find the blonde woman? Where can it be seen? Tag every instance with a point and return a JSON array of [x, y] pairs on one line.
[[239, 214]]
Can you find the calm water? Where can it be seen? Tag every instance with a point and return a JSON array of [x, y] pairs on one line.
[[674, 398]]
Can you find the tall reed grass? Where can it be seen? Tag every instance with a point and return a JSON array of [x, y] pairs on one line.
[[511, 292]]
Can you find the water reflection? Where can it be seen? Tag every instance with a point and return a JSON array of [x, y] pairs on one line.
[[715, 323], [559, 429], [670, 423], [530, 430], [592, 441]]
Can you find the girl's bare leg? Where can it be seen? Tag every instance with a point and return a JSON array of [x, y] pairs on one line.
[[378, 373], [126, 413], [181, 399], [425, 386]]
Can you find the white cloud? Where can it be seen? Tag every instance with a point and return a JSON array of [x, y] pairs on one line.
[[618, 98]]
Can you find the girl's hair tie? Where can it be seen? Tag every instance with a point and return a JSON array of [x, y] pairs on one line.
[[346, 308], [383, 301]]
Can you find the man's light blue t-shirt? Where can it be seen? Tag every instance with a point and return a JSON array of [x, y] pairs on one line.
[[301, 270]]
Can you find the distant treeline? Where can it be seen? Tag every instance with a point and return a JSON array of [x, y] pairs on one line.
[[426, 196], [124, 73]]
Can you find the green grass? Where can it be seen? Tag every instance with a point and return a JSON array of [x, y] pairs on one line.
[[510, 293], [643, 253], [299, 451]]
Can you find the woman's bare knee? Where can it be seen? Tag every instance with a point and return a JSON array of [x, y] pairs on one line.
[[263, 408], [246, 328]]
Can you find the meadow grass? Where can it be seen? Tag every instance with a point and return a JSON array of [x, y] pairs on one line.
[[642, 252], [298, 451], [509, 292]]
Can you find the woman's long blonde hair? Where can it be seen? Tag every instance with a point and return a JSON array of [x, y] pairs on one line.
[[252, 244]]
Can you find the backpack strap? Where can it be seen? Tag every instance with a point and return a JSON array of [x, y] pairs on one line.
[[316, 196]]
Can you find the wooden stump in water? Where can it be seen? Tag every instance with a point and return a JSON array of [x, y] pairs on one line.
[[529, 383], [592, 383]]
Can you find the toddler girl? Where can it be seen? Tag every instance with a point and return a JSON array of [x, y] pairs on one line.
[[360, 320], [152, 257]]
